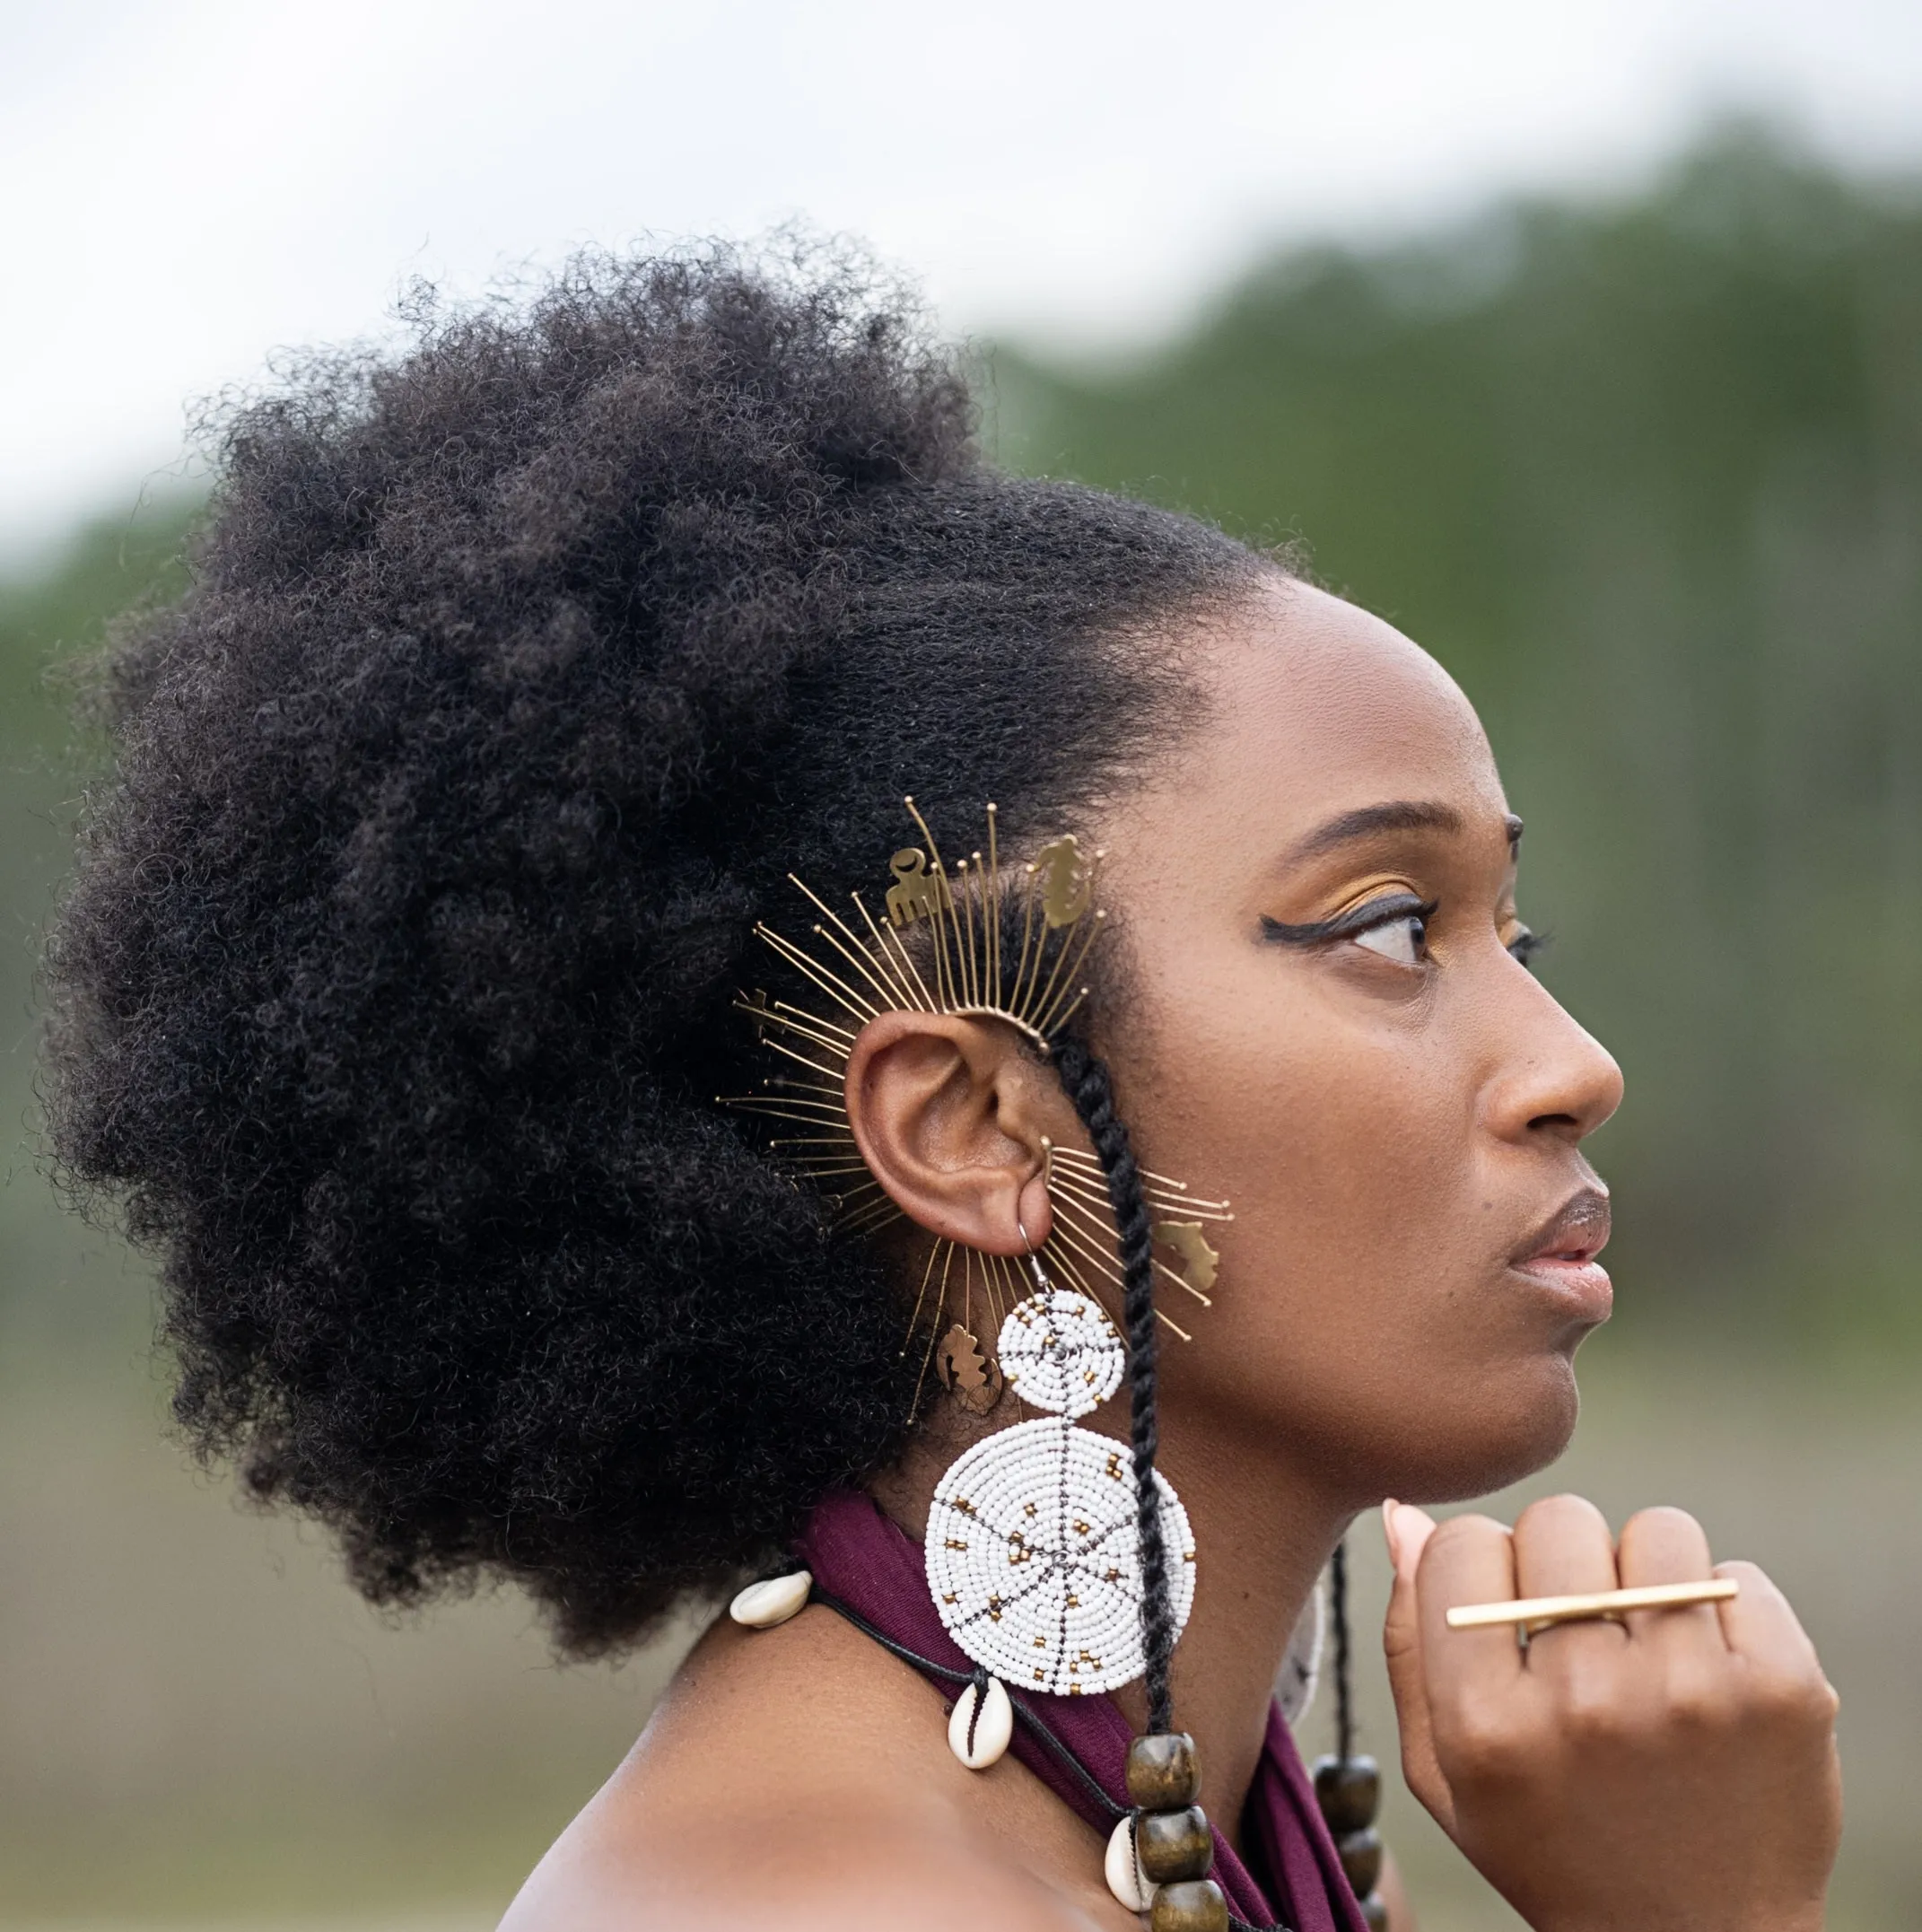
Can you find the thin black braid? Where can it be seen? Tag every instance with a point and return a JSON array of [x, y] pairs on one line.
[[1344, 1705], [1090, 1087]]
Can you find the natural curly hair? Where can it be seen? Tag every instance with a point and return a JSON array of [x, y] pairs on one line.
[[392, 992]]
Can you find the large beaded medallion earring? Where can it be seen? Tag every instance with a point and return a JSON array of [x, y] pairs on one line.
[[1059, 1563]]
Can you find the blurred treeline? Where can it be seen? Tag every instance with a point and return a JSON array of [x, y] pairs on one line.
[[60, 1292], [1648, 478]]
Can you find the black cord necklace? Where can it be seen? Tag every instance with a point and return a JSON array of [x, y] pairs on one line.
[[946, 1674]]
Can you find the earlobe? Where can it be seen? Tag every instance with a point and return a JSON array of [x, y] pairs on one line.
[[1033, 1210], [950, 1116]]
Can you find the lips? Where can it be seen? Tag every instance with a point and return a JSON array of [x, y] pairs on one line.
[[1560, 1255]]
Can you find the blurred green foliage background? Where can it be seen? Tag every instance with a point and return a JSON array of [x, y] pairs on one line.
[[1647, 476], [1648, 480]]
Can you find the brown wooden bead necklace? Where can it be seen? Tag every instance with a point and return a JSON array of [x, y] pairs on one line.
[[1348, 1787]]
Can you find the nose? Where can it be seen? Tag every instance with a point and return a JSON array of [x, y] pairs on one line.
[[1551, 1074]]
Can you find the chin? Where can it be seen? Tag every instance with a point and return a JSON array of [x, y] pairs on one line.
[[1484, 1442]]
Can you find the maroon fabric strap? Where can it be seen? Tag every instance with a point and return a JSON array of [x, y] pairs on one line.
[[1291, 1875]]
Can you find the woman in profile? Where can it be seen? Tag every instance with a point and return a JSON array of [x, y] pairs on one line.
[[596, 1135]]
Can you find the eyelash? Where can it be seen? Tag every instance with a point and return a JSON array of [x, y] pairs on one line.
[[1522, 948], [1364, 918]]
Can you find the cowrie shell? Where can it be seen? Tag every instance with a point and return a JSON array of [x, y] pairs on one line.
[[993, 1730], [762, 1605], [1126, 1879]]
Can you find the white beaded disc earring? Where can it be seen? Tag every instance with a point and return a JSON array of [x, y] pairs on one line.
[[1030, 1551]]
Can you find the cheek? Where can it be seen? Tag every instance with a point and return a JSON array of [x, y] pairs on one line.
[[1360, 1315], [1349, 1169]]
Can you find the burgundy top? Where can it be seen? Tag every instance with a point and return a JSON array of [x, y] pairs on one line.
[[1290, 1875]]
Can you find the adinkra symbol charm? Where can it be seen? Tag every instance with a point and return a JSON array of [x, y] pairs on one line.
[[916, 891], [971, 1376], [1199, 1262], [1067, 881]]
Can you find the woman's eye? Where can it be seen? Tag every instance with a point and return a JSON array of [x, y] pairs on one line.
[[1403, 940]]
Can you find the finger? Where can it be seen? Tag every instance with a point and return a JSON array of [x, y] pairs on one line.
[[1759, 1624], [1468, 1559], [1467, 1673], [1563, 1548], [1408, 1530], [1669, 1546]]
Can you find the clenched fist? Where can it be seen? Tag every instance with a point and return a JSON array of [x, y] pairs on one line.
[[1676, 1773]]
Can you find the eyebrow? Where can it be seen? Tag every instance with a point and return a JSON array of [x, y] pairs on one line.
[[1398, 815]]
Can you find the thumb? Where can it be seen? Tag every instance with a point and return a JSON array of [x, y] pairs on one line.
[[1408, 1530]]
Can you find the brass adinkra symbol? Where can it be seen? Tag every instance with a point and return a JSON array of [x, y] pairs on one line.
[[1067, 882], [916, 891], [1198, 1260], [971, 1376]]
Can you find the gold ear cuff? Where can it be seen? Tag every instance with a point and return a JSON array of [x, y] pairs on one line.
[[966, 964]]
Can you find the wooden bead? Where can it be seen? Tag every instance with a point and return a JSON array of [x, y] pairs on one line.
[[762, 1605], [1175, 1844], [1361, 1859], [1164, 1771], [1349, 1792], [1194, 1905], [1374, 1913]]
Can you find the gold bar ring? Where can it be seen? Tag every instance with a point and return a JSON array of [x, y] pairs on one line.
[[1538, 1612]]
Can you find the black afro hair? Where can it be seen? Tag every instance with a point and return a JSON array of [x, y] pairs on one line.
[[391, 999]]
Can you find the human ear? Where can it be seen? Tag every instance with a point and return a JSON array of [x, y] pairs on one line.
[[951, 1115]]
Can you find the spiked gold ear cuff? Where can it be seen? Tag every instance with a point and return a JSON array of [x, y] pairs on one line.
[[985, 941]]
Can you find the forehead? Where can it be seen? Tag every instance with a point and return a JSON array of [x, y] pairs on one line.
[[1312, 707]]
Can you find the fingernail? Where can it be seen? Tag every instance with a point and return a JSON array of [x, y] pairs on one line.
[[1388, 1530]]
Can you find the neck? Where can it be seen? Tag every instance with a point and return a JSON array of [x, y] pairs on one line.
[[1263, 1533]]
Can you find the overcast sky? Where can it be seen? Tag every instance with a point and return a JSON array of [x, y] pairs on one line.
[[187, 186]]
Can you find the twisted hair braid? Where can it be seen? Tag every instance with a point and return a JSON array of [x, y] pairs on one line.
[[1344, 1691], [1091, 1088]]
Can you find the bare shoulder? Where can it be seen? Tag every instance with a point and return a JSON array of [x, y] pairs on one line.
[[801, 1777], [810, 1869]]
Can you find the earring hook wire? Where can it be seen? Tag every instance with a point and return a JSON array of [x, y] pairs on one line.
[[1034, 1260]]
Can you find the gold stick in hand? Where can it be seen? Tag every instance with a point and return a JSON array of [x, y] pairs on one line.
[[1537, 1612]]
